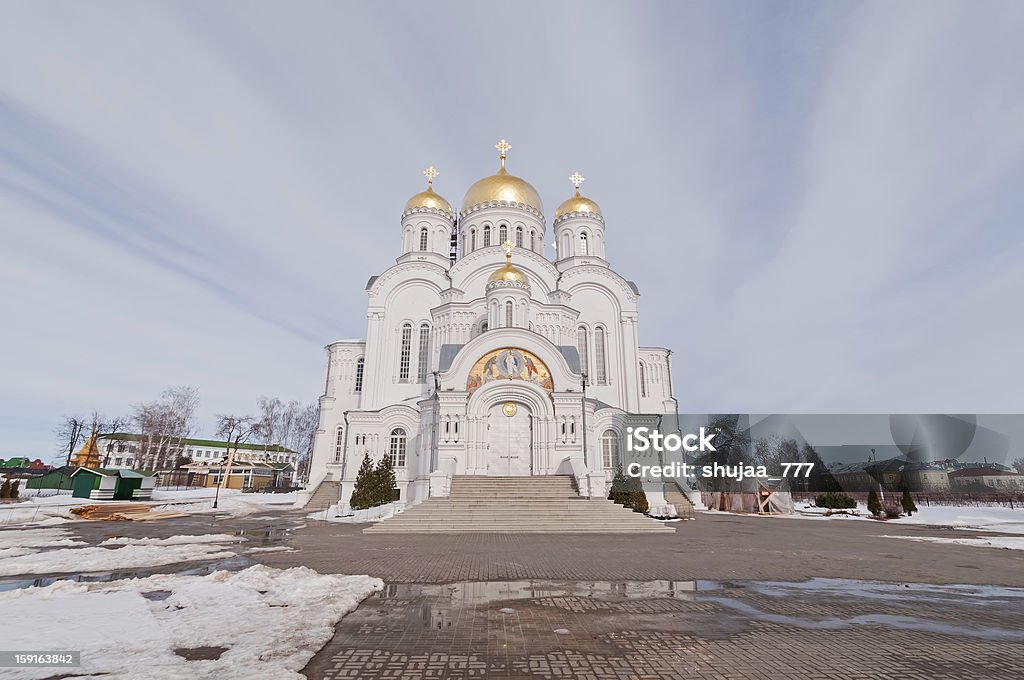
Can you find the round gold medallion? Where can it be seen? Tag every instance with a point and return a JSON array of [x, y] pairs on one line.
[[509, 408]]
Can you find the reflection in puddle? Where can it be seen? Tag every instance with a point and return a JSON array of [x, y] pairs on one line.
[[819, 604]]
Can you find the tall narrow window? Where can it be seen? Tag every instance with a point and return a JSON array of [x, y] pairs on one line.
[[533, 240], [643, 380], [483, 327], [564, 252], [503, 234], [472, 240], [519, 237], [424, 236], [396, 447], [508, 314], [403, 363], [487, 236], [360, 365], [600, 354], [609, 450], [339, 445], [581, 345], [421, 359], [584, 248]]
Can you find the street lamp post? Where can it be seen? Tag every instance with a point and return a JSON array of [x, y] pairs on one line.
[[583, 420]]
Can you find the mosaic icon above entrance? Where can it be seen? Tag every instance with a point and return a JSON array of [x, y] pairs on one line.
[[509, 408], [509, 363]]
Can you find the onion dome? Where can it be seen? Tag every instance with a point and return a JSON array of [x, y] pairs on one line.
[[578, 203], [508, 273], [502, 187], [428, 198]]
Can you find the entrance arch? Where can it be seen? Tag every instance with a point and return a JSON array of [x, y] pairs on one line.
[[510, 440], [520, 444]]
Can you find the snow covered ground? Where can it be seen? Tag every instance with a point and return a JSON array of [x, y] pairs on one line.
[[1007, 542], [271, 621], [996, 518], [56, 509], [342, 513]]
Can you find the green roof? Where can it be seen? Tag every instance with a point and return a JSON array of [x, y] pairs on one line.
[[212, 443]]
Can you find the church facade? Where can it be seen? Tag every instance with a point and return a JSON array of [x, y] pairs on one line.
[[484, 357]]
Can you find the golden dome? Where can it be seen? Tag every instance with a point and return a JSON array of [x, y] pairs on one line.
[[429, 199], [502, 187], [508, 272], [577, 203]]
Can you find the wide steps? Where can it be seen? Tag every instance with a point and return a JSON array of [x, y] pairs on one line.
[[517, 505]]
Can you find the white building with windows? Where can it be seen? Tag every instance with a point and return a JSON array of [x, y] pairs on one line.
[[478, 346]]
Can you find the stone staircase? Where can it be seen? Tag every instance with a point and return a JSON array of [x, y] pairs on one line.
[[543, 504], [673, 495], [326, 495]]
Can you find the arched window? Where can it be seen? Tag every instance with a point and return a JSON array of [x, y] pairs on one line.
[[643, 380], [519, 237], [609, 450], [339, 445], [508, 314], [424, 236], [406, 355], [503, 234], [360, 365], [565, 252], [396, 447], [483, 327], [582, 346], [584, 250], [421, 359], [472, 240], [533, 240], [600, 354], [487, 236]]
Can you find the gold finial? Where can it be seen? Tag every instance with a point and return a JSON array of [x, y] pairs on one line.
[[508, 247], [503, 148], [430, 173], [576, 179]]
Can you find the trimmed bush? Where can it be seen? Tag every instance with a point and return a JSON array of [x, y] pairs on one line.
[[363, 493], [14, 488], [5, 489], [835, 501], [907, 502], [892, 511], [874, 505], [384, 481]]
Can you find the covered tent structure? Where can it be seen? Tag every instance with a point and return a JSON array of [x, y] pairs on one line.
[[756, 495]]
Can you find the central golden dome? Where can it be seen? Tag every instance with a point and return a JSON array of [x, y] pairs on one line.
[[508, 273], [502, 187]]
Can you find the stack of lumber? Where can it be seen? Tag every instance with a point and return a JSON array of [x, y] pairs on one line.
[[121, 511]]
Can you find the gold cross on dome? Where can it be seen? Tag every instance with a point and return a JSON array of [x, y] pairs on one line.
[[503, 148], [576, 179], [430, 173], [508, 247]]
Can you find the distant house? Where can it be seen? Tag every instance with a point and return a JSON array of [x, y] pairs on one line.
[[892, 474], [243, 474], [980, 478], [124, 449], [284, 474], [925, 477], [107, 484]]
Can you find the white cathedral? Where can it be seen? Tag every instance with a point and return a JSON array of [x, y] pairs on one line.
[[484, 357]]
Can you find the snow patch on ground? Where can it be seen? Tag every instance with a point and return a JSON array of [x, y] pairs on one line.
[[174, 540], [272, 622], [79, 560], [342, 513], [1006, 542], [37, 538], [997, 518]]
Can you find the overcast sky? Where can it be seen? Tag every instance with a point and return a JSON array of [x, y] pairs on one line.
[[821, 203]]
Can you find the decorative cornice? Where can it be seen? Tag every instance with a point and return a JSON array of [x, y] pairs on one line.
[[507, 284], [503, 204], [596, 217], [432, 211]]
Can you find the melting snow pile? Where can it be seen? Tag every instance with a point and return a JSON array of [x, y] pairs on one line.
[[271, 621]]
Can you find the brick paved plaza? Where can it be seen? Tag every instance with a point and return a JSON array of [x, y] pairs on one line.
[[723, 597]]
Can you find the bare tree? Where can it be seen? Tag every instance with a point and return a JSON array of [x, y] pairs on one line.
[[234, 430], [1018, 465], [164, 425], [69, 435], [292, 425]]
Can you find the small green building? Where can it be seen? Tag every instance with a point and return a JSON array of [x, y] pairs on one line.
[[58, 478], [106, 484]]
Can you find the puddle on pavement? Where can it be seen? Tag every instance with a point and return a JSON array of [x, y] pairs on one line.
[[266, 536], [236, 563], [818, 604]]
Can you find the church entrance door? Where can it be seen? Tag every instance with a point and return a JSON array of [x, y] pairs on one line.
[[510, 439]]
